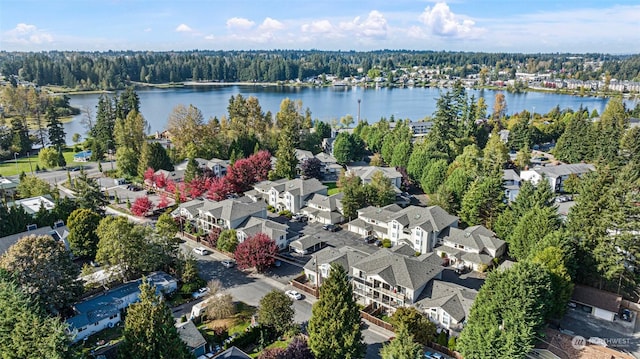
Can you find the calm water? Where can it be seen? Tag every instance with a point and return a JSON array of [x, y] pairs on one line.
[[325, 103]]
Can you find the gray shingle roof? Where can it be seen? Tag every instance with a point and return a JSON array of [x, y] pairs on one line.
[[190, 335], [255, 225], [476, 237], [399, 270], [345, 256], [565, 169], [452, 298], [232, 353], [231, 209], [367, 172]]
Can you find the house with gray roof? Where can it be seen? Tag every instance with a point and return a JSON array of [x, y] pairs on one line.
[[556, 175], [227, 214], [474, 247], [366, 174], [324, 209], [390, 280], [317, 269], [232, 353], [420, 227], [215, 165], [447, 304], [329, 167], [291, 195], [104, 310], [192, 337], [511, 183], [303, 155], [278, 232], [8, 187], [59, 232]]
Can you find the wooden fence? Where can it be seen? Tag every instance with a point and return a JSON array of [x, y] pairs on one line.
[[299, 282]]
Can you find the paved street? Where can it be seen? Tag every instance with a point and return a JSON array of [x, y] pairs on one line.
[[251, 288]]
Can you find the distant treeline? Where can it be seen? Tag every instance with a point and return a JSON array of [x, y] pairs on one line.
[[116, 69]]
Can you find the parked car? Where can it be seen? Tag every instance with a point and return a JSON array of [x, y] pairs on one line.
[[201, 251], [200, 292], [299, 217], [228, 263], [330, 227], [378, 243], [562, 199], [627, 315], [370, 239], [293, 294]]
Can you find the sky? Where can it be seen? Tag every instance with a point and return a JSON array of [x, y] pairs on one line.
[[529, 26]]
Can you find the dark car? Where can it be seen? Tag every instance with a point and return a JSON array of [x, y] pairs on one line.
[[378, 243], [370, 239], [330, 227]]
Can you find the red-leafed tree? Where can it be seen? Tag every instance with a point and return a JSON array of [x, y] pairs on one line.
[[161, 181], [212, 237], [141, 206], [149, 176], [170, 186], [217, 188], [256, 251], [197, 187], [261, 164], [164, 201], [241, 175], [181, 190]]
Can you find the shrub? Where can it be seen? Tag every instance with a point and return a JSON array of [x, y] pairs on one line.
[[285, 213], [386, 243], [271, 209]]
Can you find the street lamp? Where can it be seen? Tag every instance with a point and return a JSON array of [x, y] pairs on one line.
[[15, 158]]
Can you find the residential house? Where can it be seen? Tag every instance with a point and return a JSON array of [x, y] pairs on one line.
[[417, 226], [511, 183], [8, 187], [227, 214], [419, 129], [32, 205], [104, 310], [599, 303], [556, 175], [83, 156], [389, 280], [274, 230], [217, 166], [366, 174], [176, 175], [58, 231], [192, 337], [474, 247], [329, 167], [232, 353], [303, 155], [317, 269], [291, 195], [447, 304], [325, 209]]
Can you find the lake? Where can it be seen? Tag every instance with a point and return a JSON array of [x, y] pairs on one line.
[[325, 103]]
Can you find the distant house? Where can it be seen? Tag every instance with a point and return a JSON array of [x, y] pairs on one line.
[[418, 226], [366, 174], [217, 166], [599, 303], [329, 167], [447, 304], [511, 183], [83, 156], [556, 175], [104, 310], [303, 155], [474, 247], [175, 175], [32, 205], [325, 209], [8, 187], [192, 337], [291, 195]]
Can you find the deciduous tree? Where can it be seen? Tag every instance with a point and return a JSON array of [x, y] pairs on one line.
[[257, 251], [417, 325], [43, 268], [276, 310], [141, 206], [402, 346], [310, 168]]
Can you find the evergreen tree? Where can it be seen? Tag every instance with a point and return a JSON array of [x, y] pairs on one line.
[[483, 202], [572, 146], [149, 330], [609, 131], [286, 164], [88, 194], [276, 310], [83, 240], [192, 171], [402, 347], [334, 327], [57, 136]]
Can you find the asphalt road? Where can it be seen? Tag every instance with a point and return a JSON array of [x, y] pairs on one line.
[[250, 288]]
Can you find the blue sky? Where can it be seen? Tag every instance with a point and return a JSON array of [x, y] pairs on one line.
[[455, 25]]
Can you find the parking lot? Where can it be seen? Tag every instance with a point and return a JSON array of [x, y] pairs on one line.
[[127, 191]]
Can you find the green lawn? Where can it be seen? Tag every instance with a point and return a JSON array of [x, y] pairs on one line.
[[28, 164], [333, 188]]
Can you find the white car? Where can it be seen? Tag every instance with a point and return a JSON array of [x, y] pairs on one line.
[[228, 263], [200, 292], [201, 251], [293, 294]]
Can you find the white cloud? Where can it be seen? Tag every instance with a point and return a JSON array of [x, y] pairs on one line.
[[270, 24], [28, 34], [210, 37], [375, 25], [183, 28], [441, 21], [239, 23], [318, 27], [147, 29]]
